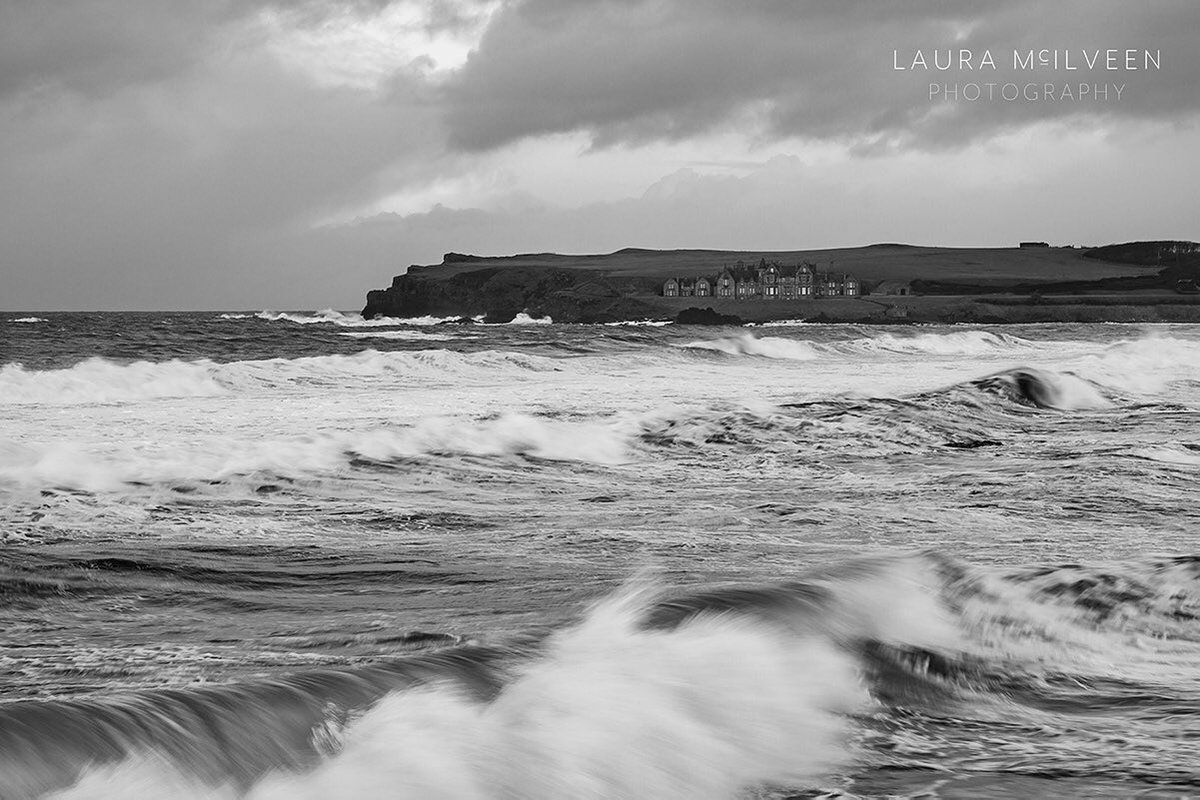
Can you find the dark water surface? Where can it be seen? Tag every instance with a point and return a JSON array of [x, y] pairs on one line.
[[305, 555]]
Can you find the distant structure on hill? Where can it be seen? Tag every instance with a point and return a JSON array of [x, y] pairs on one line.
[[766, 281], [1034, 244], [899, 288]]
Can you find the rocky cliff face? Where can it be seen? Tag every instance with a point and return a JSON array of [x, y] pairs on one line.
[[500, 293]]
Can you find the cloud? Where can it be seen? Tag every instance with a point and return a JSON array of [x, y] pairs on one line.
[[992, 194], [173, 154], [633, 71], [164, 178]]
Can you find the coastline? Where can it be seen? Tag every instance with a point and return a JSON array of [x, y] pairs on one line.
[[949, 309], [1130, 282]]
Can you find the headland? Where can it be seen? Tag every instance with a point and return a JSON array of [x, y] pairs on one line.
[[1152, 281]]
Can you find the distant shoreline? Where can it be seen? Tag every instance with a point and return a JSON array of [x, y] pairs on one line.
[[1131, 282], [980, 309]]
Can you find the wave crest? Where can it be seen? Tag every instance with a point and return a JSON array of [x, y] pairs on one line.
[[957, 343], [98, 380], [67, 465], [609, 708], [331, 317]]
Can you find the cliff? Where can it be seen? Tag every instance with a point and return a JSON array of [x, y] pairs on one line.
[[500, 293], [627, 284]]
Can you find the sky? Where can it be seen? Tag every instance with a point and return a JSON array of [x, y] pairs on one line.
[[239, 154]]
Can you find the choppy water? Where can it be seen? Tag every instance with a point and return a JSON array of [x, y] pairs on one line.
[[305, 555]]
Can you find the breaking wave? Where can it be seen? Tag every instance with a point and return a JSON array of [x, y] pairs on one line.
[[332, 317], [234, 316], [651, 695], [98, 380], [693, 692], [524, 319], [768, 346], [958, 343], [1063, 391], [430, 320], [1179, 455], [28, 319], [66, 465], [1143, 366]]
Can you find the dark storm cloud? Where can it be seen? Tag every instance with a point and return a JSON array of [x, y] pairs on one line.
[[154, 156], [95, 46], [634, 71]]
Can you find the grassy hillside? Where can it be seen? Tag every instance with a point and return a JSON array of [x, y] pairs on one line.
[[976, 266]]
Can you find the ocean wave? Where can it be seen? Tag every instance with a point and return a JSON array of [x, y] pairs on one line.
[[1180, 455], [1143, 366], [1140, 369], [218, 461], [29, 320], [431, 320], [234, 316], [98, 380], [1063, 391], [403, 336], [704, 707], [957, 343], [524, 319], [685, 692], [767, 346], [645, 323], [1046, 620], [331, 317]]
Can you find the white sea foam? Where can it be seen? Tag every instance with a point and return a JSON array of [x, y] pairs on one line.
[[331, 317], [70, 465], [234, 316], [1072, 393], [716, 706], [524, 319], [1143, 366], [101, 381], [645, 323], [1046, 388], [28, 319], [768, 346], [1181, 456], [958, 343], [429, 320]]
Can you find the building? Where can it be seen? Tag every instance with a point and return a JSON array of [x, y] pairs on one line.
[[796, 283], [895, 288], [724, 284], [765, 281]]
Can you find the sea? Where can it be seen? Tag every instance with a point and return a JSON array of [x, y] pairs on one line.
[[301, 555]]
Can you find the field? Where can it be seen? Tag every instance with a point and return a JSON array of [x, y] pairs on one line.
[[978, 266]]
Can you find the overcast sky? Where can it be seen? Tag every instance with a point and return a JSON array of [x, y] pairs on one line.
[[209, 154]]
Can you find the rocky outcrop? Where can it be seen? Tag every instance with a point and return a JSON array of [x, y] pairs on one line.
[[705, 316], [500, 293]]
